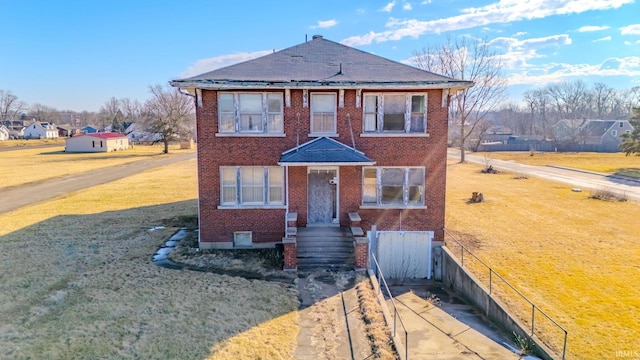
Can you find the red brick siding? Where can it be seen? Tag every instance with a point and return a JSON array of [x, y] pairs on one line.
[[268, 224]]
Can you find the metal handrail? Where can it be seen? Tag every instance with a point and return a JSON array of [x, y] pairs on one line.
[[491, 273], [396, 315]]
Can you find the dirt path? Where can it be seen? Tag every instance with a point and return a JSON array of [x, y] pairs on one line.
[[16, 197]]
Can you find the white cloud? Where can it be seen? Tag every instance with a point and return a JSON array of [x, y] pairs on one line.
[[590, 28], [630, 30], [501, 12], [425, 2], [515, 53], [360, 11], [388, 7], [325, 24], [406, 6], [519, 33], [627, 66], [606, 38], [205, 65]]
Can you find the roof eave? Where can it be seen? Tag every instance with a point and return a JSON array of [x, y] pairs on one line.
[[361, 163], [226, 85]]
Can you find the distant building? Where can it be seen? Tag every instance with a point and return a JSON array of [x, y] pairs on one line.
[[41, 130], [97, 142]]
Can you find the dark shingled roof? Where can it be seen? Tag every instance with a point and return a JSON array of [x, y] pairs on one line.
[[324, 150], [323, 62]]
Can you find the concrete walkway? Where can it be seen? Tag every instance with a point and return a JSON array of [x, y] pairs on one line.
[[331, 326], [441, 326], [19, 196]]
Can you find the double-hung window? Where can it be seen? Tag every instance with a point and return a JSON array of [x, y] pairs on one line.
[[250, 113], [252, 185], [323, 113], [395, 113], [390, 186]]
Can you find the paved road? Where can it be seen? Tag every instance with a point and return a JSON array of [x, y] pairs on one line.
[[16, 197], [574, 177]]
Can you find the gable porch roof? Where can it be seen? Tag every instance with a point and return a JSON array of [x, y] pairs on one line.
[[324, 151]]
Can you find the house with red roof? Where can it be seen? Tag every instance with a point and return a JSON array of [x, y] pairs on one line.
[[96, 142], [318, 146]]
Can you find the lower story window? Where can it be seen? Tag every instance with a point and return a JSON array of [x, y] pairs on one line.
[[252, 185], [393, 185]]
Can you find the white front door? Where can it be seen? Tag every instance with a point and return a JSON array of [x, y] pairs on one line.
[[322, 196]]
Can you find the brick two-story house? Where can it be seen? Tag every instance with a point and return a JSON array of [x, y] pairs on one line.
[[319, 130]]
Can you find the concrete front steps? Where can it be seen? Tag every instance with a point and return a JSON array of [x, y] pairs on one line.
[[325, 248]]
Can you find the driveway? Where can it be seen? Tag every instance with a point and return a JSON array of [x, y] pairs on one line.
[[19, 196], [574, 177]]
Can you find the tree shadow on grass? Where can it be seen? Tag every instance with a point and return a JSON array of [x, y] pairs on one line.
[[84, 286]]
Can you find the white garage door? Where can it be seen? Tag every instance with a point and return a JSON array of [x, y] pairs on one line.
[[405, 254]]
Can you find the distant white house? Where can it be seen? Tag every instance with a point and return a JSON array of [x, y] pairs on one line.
[[41, 130], [4, 133], [97, 142], [136, 135]]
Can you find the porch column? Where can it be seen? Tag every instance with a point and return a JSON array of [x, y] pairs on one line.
[[362, 253]]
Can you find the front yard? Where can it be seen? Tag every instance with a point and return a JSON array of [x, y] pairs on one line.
[[575, 257], [77, 281]]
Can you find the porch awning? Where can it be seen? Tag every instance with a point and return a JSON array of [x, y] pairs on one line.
[[324, 151]]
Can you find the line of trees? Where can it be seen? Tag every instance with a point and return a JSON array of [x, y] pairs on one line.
[[168, 114]]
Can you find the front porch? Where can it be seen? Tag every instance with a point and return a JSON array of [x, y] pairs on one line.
[[325, 247]]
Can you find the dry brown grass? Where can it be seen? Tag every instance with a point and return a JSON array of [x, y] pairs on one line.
[[576, 258], [376, 327], [28, 165], [77, 282], [30, 143], [610, 163]]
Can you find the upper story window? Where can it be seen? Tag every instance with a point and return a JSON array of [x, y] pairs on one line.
[[393, 186], [323, 113], [621, 124], [614, 132], [250, 113], [395, 113], [252, 185]]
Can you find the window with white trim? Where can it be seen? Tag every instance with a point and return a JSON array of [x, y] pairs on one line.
[[614, 132], [248, 113], [395, 113], [393, 186], [323, 113], [252, 185]]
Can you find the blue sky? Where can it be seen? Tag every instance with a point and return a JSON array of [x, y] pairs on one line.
[[77, 54]]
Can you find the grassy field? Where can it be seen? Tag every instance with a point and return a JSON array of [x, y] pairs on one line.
[[77, 282], [29, 143], [611, 163], [28, 165], [575, 257]]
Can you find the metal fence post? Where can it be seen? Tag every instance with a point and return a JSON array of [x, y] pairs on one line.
[[533, 316], [490, 280]]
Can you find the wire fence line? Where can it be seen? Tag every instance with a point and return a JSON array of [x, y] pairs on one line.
[[449, 240]]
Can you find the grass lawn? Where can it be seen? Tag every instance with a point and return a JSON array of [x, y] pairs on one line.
[[33, 142], [77, 281], [27, 165], [611, 163], [576, 258]]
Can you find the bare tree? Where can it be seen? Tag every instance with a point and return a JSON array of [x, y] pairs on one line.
[[43, 113], [570, 99], [169, 113], [602, 97], [472, 60], [9, 106]]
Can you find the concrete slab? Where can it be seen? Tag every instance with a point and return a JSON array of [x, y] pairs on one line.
[[442, 326]]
